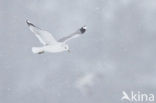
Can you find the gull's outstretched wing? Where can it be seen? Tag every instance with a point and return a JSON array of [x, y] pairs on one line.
[[44, 36], [79, 32]]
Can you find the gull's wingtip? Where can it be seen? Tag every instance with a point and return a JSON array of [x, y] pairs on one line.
[[83, 29], [27, 21]]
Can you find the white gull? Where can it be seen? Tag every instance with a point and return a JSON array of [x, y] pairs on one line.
[[50, 44]]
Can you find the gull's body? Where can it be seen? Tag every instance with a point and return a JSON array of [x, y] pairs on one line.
[[49, 43], [59, 47]]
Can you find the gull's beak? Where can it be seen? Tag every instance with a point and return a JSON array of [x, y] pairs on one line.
[[68, 51]]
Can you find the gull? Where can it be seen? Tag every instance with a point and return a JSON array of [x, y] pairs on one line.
[[50, 44]]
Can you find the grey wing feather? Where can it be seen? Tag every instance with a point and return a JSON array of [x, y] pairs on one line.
[[44, 36], [79, 32]]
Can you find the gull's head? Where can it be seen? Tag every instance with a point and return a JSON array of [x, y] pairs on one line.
[[66, 48]]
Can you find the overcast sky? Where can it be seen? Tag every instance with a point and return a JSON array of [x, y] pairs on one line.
[[117, 53]]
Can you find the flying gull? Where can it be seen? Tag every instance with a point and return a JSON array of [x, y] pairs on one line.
[[50, 44]]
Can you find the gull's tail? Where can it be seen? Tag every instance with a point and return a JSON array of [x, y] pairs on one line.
[[37, 50]]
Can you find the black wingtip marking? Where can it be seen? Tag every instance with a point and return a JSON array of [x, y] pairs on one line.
[[29, 23], [83, 29]]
